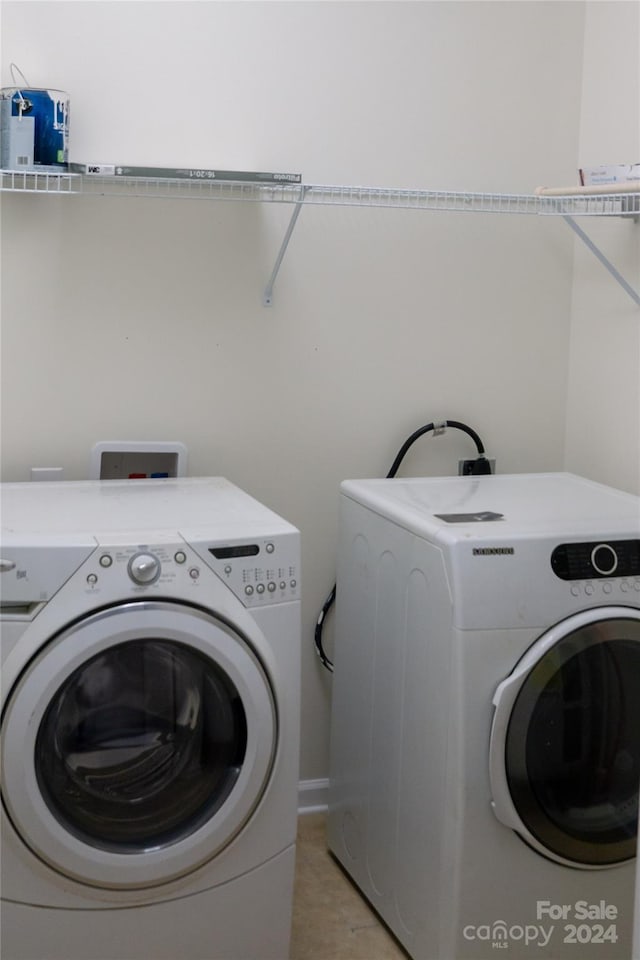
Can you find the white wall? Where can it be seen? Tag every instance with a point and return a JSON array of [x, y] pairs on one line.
[[603, 410], [138, 319]]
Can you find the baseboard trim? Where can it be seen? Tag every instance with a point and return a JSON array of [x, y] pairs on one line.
[[313, 796]]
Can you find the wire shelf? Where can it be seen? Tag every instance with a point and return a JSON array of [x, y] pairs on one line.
[[593, 205], [435, 200], [617, 202], [19, 181], [573, 204], [153, 187]]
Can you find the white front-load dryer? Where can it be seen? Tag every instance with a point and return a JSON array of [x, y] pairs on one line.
[[150, 721], [485, 743]]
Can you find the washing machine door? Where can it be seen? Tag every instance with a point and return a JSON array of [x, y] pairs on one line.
[[565, 741], [137, 744]]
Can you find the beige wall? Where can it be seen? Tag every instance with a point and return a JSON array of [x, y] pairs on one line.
[[603, 409], [138, 319]]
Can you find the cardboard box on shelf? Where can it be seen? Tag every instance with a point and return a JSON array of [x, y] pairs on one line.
[[610, 173]]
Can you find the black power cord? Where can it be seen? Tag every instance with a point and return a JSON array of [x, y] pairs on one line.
[[481, 466]]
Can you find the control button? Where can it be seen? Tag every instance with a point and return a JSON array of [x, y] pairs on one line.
[[588, 589], [194, 573], [637, 585], [144, 568], [106, 560], [271, 586], [624, 586], [270, 548], [604, 559], [180, 557], [248, 590], [228, 569], [293, 584], [283, 585], [607, 587], [575, 590], [92, 579], [260, 588]]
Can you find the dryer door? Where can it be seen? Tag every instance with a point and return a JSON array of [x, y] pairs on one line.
[[137, 744], [565, 740]]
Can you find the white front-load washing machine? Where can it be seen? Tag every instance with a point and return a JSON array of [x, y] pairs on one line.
[[485, 742], [150, 721]]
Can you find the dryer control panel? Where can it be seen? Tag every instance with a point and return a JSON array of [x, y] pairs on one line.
[[597, 559]]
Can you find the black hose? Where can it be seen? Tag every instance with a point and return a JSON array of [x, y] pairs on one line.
[[483, 467], [419, 433], [326, 606]]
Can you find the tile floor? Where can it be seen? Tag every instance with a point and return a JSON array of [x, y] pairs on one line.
[[331, 920]]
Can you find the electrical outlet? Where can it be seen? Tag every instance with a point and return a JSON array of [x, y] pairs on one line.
[[47, 473], [465, 467]]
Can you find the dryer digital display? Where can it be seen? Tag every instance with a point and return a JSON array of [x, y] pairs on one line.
[[589, 561]]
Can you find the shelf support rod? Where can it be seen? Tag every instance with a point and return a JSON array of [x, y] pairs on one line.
[[603, 260], [267, 299]]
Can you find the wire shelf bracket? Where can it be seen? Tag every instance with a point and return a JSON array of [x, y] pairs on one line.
[[603, 260], [267, 299]]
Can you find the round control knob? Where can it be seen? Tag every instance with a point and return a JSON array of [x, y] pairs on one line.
[[604, 559], [144, 568]]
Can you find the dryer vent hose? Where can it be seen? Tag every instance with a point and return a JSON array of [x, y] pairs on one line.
[[481, 466]]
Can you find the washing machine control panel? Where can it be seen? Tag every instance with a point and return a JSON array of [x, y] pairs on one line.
[[258, 572], [596, 560], [144, 568], [143, 565]]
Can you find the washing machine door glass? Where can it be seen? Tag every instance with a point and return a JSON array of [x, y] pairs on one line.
[[566, 741], [141, 745], [137, 745]]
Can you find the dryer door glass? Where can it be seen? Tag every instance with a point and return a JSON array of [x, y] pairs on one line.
[[140, 745], [573, 745]]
